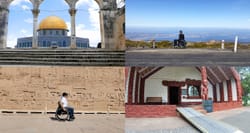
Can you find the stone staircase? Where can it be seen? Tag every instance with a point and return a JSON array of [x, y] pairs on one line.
[[64, 57]]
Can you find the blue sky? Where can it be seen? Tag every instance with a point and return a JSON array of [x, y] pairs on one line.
[[188, 13], [21, 19]]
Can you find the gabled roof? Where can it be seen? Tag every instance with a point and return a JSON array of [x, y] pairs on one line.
[[216, 74]]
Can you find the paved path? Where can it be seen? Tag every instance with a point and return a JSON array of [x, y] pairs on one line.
[[158, 125], [186, 57], [46, 124], [206, 124], [238, 117]]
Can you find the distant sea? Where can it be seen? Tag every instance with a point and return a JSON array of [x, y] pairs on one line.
[[191, 34]]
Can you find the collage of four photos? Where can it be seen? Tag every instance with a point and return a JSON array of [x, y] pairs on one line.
[[124, 66]]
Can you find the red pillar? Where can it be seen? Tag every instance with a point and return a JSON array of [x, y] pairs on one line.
[[136, 87], [221, 92], [204, 83], [215, 93], [238, 84], [229, 90], [142, 88], [130, 84]]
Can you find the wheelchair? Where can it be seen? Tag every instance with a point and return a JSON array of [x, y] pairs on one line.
[[179, 44], [61, 114]]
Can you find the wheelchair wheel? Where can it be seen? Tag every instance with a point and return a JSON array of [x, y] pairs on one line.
[[62, 115]]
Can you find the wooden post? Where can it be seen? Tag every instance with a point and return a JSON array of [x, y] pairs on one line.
[[153, 41], [235, 44], [222, 44]]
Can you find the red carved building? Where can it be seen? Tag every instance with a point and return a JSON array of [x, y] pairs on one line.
[[157, 91]]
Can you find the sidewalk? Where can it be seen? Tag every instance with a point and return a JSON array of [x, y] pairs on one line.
[[239, 118], [158, 125], [44, 124]]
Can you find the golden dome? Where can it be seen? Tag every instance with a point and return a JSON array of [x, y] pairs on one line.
[[52, 23]]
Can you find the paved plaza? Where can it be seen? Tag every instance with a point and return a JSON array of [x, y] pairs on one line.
[[239, 118], [186, 57], [38, 123]]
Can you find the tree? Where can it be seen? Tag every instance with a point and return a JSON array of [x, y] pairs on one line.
[[245, 82]]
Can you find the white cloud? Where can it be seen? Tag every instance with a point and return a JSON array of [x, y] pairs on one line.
[[25, 7], [23, 31], [92, 34], [28, 20], [18, 2], [83, 2], [11, 42]]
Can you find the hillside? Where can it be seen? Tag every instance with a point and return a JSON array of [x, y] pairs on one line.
[[168, 44]]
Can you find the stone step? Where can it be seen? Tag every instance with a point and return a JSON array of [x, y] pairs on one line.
[[61, 63], [90, 57], [64, 57]]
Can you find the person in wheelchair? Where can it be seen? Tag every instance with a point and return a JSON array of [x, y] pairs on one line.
[[64, 105], [181, 41]]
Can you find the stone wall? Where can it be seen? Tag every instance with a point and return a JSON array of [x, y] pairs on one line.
[[39, 88]]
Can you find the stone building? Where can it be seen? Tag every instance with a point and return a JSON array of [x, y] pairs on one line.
[[112, 23], [158, 91], [91, 89], [52, 32]]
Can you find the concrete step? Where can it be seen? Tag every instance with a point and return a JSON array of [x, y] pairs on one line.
[[90, 57]]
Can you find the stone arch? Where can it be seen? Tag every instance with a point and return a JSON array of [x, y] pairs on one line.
[[112, 20]]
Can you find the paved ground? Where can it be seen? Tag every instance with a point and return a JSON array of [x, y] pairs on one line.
[[46, 124], [239, 118], [187, 57], [158, 125]]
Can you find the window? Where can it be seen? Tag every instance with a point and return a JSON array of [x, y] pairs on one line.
[[194, 91], [57, 32]]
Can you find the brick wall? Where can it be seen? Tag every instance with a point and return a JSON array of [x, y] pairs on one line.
[[39, 88], [226, 105], [147, 111]]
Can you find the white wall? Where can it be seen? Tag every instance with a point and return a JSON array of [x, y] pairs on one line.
[[234, 90], [154, 87], [218, 92], [210, 91], [225, 91]]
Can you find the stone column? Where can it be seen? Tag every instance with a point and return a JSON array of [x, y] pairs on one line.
[[72, 13], [112, 21], [35, 13], [204, 83], [4, 15]]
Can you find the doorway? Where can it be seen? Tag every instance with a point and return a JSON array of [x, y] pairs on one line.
[[173, 95]]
